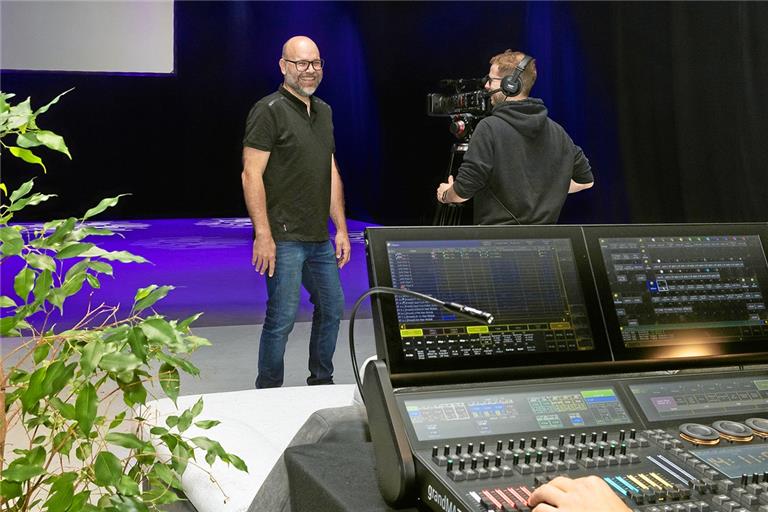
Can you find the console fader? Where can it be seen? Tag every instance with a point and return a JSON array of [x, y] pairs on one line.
[[664, 444]]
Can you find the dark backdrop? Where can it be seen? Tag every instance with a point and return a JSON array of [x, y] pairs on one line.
[[667, 101]]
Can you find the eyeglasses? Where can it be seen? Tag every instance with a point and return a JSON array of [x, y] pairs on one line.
[[303, 65], [489, 78]]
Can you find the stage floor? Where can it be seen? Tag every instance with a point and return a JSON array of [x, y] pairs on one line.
[[209, 263]]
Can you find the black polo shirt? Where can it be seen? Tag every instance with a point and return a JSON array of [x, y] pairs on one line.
[[298, 174]]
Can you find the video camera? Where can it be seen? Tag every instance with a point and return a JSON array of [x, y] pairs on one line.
[[461, 96], [464, 100]]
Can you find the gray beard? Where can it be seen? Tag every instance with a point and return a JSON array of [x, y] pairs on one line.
[[304, 91]]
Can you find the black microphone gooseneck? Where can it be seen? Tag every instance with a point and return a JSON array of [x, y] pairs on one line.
[[465, 311]]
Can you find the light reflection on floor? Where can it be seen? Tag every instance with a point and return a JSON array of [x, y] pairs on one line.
[[207, 260]]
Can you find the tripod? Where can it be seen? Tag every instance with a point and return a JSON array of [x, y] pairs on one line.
[[451, 214], [462, 126]]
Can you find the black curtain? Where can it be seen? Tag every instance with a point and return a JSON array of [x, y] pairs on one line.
[[693, 115]]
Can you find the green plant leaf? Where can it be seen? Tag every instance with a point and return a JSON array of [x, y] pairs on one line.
[[56, 297], [158, 431], [32, 200], [42, 285], [27, 156], [28, 140], [195, 342], [73, 285], [85, 407], [146, 297], [117, 420], [34, 391], [134, 392], [185, 365], [24, 282], [9, 490], [206, 424], [23, 190], [22, 472], [78, 268], [100, 267], [169, 381], [125, 440], [185, 421], [90, 357], [197, 408], [108, 202], [79, 502], [7, 302], [122, 503], [73, 250], [121, 256], [62, 492], [83, 451], [67, 410], [128, 486], [55, 100], [119, 362], [137, 342], [8, 325], [41, 261], [12, 242], [62, 443], [166, 475], [184, 324], [41, 352], [17, 376], [107, 469], [181, 454], [53, 141], [62, 231], [57, 376], [93, 281], [159, 331], [236, 461]]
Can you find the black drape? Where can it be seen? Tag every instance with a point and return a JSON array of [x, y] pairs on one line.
[[692, 79]]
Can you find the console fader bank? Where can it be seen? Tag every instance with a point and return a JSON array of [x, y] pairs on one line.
[[633, 353]]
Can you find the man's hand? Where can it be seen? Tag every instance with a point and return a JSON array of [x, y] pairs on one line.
[[263, 258], [588, 494], [343, 249], [443, 189]]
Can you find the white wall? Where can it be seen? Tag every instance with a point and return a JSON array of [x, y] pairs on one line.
[[120, 36]]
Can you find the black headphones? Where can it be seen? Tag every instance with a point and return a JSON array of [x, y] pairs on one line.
[[511, 84]]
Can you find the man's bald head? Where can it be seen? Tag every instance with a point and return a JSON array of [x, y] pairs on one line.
[[299, 44], [301, 66]]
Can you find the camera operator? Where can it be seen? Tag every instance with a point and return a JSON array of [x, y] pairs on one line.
[[520, 165]]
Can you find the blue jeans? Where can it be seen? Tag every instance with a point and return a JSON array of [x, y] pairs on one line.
[[312, 264]]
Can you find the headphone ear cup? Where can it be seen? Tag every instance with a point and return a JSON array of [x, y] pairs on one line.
[[511, 85]]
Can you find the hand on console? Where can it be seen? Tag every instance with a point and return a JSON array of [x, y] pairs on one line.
[[587, 494]]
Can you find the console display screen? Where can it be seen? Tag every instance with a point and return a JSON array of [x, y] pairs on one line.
[[687, 290], [687, 399], [510, 413], [531, 286], [734, 461]]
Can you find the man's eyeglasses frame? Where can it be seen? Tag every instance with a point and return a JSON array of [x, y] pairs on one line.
[[303, 65]]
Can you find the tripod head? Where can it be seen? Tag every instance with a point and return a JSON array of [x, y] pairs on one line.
[[462, 126]]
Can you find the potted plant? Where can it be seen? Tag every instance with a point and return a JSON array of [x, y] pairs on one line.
[[74, 398]]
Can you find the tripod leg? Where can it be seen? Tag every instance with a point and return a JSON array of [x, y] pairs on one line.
[[450, 214]]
